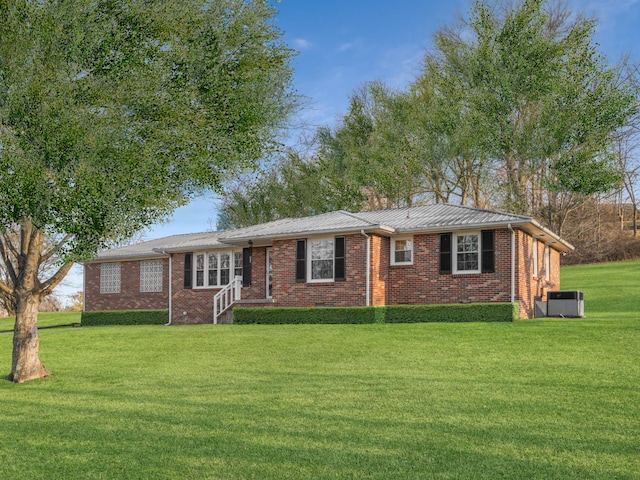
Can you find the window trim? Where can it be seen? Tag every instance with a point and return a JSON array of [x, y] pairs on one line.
[[309, 245], [547, 263], [392, 254], [205, 274], [455, 253]]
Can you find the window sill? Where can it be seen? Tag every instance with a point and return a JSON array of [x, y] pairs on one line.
[[217, 287]]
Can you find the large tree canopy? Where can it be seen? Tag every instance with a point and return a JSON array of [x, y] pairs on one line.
[[112, 114], [540, 103], [515, 108]]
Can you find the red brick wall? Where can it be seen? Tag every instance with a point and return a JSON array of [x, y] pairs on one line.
[[422, 283], [195, 305], [530, 284], [288, 293], [130, 297], [380, 255], [419, 283]]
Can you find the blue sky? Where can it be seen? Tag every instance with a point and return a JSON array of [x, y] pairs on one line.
[[344, 43]]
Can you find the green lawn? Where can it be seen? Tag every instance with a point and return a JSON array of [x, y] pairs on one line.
[[546, 398]]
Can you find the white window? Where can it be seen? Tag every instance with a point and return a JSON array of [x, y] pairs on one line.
[[151, 276], [225, 267], [110, 278], [237, 264], [467, 253], [547, 263], [215, 269], [320, 260], [534, 257], [199, 272], [402, 251]]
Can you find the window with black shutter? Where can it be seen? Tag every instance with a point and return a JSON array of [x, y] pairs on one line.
[[445, 253], [188, 270], [301, 260], [488, 256], [339, 259]]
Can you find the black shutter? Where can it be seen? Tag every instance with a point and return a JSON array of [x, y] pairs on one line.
[[339, 259], [301, 260], [247, 254], [188, 270], [488, 256], [445, 253]]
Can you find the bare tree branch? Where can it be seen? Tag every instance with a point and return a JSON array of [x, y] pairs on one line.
[[53, 281], [55, 249]]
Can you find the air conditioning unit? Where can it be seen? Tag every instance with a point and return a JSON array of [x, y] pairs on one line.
[[565, 303]]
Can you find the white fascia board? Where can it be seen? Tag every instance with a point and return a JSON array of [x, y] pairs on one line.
[[156, 254], [192, 248], [530, 226], [549, 237]]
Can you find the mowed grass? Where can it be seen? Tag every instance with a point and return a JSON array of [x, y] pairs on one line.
[[546, 399]]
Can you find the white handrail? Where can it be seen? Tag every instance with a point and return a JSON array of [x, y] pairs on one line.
[[226, 297]]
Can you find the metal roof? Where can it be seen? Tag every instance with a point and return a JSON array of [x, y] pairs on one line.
[[429, 217], [151, 248], [425, 218]]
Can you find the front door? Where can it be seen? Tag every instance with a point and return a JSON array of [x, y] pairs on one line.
[[269, 273]]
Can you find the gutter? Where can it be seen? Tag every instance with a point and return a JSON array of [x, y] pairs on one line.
[[378, 228], [368, 280], [84, 288], [530, 226], [170, 289]]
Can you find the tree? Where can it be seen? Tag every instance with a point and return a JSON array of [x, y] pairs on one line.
[[77, 302], [540, 102], [292, 186], [114, 113], [47, 267]]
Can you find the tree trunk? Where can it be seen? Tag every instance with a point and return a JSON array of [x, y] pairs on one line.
[[28, 291], [26, 364]]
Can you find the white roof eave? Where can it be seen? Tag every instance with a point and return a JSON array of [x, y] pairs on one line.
[[530, 226], [260, 239]]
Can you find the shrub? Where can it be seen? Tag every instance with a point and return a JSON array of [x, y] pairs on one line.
[[468, 312], [297, 315], [125, 317]]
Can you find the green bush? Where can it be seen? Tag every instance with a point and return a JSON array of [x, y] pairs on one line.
[[125, 317], [296, 315], [470, 312]]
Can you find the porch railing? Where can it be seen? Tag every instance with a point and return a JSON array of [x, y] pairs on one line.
[[226, 297]]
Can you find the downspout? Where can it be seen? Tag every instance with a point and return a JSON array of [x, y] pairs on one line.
[[368, 281], [170, 289], [513, 263]]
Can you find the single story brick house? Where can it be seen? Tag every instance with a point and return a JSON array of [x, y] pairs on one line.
[[433, 254]]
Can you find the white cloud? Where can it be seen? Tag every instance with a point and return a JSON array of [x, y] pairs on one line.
[[345, 46], [301, 44]]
